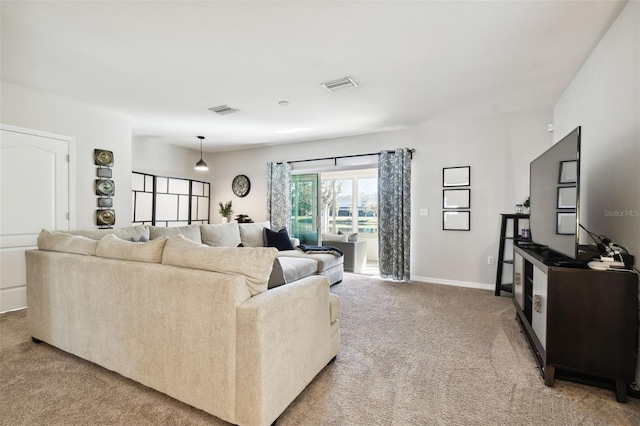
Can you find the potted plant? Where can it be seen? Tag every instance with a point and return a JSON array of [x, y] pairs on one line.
[[225, 211], [526, 205]]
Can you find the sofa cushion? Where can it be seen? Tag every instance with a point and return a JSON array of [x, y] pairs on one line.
[[279, 240], [221, 235], [252, 234], [334, 237], [115, 248], [192, 232], [324, 260], [254, 264], [135, 232], [67, 243]]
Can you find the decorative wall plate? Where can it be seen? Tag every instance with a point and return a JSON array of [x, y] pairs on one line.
[[105, 187], [103, 157], [104, 172], [105, 202], [105, 217], [241, 185]]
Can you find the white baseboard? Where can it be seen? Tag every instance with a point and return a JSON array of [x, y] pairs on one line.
[[12, 299], [467, 284]]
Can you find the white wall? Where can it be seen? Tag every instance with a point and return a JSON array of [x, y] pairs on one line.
[[162, 159], [92, 128], [497, 148], [604, 98]]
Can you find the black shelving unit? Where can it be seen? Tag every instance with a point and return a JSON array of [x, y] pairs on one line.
[[515, 236]]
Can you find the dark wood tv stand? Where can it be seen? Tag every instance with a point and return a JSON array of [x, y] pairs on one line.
[[581, 324]]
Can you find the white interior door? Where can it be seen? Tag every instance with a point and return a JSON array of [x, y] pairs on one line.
[[34, 194]]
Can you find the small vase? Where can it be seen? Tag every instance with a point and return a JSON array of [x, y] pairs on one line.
[[224, 219]]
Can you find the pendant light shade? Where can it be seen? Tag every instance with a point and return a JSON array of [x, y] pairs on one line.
[[201, 165]]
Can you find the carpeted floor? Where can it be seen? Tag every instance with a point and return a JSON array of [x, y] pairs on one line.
[[411, 354]]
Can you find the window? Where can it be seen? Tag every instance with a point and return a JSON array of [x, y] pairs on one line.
[[169, 201], [350, 202]]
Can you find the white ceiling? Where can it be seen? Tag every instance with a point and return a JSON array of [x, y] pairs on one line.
[[164, 63]]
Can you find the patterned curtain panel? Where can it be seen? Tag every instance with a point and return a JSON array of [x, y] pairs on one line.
[[279, 195], [394, 214]]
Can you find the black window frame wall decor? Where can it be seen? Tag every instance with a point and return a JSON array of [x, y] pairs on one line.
[[198, 192]]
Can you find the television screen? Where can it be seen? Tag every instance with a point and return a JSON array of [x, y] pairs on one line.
[[555, 196]]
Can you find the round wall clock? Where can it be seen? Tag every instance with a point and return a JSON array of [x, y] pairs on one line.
[[241, 185]]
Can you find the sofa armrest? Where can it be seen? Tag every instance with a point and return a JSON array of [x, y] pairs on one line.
[[284, 339]]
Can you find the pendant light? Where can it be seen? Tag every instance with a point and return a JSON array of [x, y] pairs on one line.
[[201, 165]]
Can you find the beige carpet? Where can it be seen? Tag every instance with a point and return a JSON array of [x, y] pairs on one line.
[[411, 354]]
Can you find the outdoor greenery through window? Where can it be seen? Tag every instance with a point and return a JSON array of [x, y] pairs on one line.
[[350, 202]]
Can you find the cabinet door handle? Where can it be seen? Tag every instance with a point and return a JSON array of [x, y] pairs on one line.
[[517, 279], [537, 303]]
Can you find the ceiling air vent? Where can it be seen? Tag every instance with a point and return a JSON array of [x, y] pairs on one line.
[[223, 110], [339, 85]]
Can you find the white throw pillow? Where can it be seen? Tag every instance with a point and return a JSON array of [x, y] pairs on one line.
[[114, 248], [252, 234], [66, 243], [254, 264], [221, 235]]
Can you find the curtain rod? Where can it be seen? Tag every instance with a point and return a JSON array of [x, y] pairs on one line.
[[335, 159]]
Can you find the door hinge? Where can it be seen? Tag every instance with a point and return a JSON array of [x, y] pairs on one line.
[[68, 215], [67, 158]]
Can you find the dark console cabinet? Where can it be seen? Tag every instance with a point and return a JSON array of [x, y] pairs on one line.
[[581, 321]]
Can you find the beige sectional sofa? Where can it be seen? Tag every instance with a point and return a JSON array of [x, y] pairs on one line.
[[194, 322], [290, 265]]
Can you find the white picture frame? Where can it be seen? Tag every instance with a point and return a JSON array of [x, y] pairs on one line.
[[456, 220], [456, 176], [456, 198]]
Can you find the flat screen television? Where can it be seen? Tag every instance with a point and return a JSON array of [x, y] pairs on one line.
[[555, 196]]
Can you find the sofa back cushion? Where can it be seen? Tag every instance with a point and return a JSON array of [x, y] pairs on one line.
[[115, 248], [252, 234], [192, 232], [127, 233], [67, 243], [221, 235], [254, 264]]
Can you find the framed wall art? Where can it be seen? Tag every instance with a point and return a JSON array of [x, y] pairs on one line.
[[456, 176], [456, 198]]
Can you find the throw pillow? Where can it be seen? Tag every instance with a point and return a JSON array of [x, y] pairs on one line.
[[352, 238], [139, 240], [113, 247], [279, 240]]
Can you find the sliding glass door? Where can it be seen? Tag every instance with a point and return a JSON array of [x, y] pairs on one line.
[[304, 208]]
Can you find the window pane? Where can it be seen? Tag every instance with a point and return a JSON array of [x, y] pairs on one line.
[[337, 203], [368, 206], [137, 182], [179, 186]]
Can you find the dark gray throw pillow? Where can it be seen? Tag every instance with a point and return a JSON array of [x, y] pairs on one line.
[[279, 240]]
